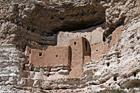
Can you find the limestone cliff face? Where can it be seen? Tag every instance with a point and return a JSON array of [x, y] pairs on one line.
[[120, 67], [35, 23], [120, 12]]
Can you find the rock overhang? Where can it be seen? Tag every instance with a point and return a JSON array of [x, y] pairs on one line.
[[53, 17]]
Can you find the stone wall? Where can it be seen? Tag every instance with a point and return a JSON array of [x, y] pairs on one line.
[[99, 49], [94, 36], [52, 56], [72, 56], [78, 52]]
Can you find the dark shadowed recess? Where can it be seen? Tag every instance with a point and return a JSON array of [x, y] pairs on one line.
[[79, 26], [73, 18]]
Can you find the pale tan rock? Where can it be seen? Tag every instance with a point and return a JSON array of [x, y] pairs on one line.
[[95, 36], [120, 64], [38, 76]]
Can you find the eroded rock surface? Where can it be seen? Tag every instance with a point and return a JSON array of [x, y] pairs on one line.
[[53, 16], [36, 23], [120, 12], [122, 62]]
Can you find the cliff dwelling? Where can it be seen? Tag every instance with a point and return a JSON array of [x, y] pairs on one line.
[[73, 50], [69, 46], [74, 56]]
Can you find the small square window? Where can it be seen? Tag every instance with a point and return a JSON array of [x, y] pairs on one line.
[[56, 55], [40, 54], [74, 43]]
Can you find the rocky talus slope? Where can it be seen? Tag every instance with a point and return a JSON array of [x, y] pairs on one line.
[[36, 23]]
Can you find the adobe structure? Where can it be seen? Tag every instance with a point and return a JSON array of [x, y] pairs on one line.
[[100, 48], [80, 48], [94, 36], [52, 56], [75, 55]]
